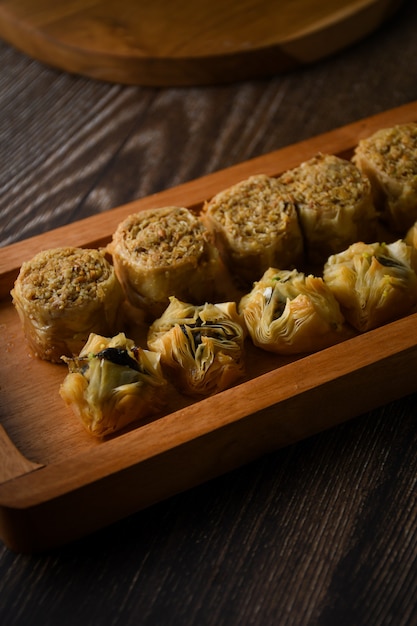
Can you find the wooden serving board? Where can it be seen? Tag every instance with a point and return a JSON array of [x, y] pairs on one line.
[[58, 483], [182, 43]]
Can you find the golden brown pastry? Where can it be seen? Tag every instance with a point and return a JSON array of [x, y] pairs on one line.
[[165, 252], [334, 203], [411, 240], [389, 159], [288, 312], [255, 226], [203, 346], [374, 283], [113, 383], [64, 294]]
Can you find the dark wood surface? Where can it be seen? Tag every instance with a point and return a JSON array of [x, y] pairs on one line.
[[320, 533], [186, 43]]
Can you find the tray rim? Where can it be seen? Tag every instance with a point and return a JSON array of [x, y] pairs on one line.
[[104, 454], [30, 491]]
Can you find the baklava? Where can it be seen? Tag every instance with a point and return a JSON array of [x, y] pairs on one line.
[[373, 283], [389, 159], [334, 204], [113, 383], [166, 252], [64, 294], [202, 346], [288, 312], [255, 225]]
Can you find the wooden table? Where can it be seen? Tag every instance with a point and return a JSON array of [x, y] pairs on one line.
[[321, 532]]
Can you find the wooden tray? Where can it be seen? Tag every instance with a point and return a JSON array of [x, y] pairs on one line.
[[184, 43], [57, 483]]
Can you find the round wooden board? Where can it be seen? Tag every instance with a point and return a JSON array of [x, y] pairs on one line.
[[165, 43]]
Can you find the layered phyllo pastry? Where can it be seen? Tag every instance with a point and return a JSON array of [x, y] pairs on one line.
[[288, 312], [201, 346], [165, 252], [255, 225], [113, 383], [374, 283], [411, 239], [64, 294], [389, 159], [334, 204]]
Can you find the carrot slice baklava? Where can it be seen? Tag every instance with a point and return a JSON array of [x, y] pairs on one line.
[[288, 312], [373, 283], [113, 383], [202, 346]]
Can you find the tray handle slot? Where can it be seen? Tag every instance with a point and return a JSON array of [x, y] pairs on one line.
[[12, 462]]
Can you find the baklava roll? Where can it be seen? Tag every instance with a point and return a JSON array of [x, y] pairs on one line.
[[334, 204], [288, 313], [389, 159], [165, 252], [64, 294], [202, 346], [373, 283], [113, 383], [255, 225]]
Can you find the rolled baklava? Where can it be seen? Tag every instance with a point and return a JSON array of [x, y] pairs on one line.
[[202, 346], [373, 283], [166, 252], [288, 312], [389, 159], [64, 294], [113, 383], [255, 225], [334, 204]]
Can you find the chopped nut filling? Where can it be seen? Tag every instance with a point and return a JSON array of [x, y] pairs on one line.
[[65, 276]]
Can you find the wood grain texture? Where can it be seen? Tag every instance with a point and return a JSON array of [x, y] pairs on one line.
[[319, 533], [186, 43], [12, 463], [278, 402], [82, 492]]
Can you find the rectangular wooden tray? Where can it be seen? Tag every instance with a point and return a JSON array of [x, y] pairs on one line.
[[57, 483]]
